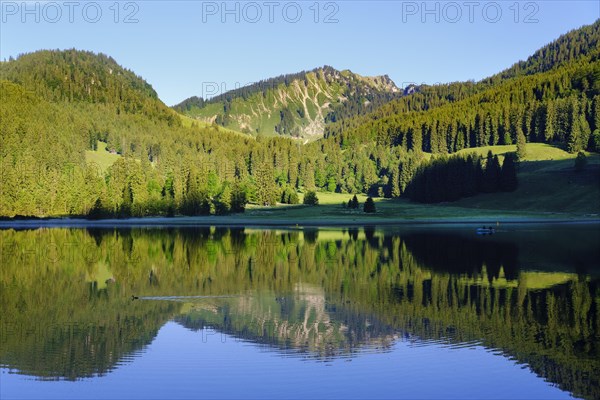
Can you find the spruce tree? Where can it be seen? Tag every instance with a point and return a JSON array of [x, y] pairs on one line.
[[369, 206], [550, 122], [508, 175], [580, 162], [493, 174], [521, 145], [310, 198], [596, 113], [126, 204], [223, 203], [238, 198], [395, 183]]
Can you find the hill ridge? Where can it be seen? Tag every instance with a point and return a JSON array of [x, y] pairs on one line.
[[298, 104]]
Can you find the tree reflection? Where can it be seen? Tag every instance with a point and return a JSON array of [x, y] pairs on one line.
[[67, 311]]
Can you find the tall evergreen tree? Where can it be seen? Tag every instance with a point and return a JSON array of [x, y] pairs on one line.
[[395, 190], [369, 206], [508, 175], [521, 145]]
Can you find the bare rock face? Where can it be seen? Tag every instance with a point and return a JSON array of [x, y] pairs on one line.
[[297, 105]]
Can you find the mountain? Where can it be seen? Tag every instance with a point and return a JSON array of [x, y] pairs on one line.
[[579, 44], [85, 77], [81, 135], [78, 133], [297, 105], [551, 97], [584, 41]]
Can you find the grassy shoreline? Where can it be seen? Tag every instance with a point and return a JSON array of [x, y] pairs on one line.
[[261, 219], [330, 213]]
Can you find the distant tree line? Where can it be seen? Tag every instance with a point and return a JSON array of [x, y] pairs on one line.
[[451, 178]]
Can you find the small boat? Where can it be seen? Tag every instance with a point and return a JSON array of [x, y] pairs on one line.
[[486, 230]]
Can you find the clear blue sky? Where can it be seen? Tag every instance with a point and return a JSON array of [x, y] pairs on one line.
[[181, 46]]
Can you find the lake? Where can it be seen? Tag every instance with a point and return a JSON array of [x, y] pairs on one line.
[[435, 311]]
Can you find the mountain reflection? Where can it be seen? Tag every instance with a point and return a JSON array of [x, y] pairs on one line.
[[300, 323], [68, 313]]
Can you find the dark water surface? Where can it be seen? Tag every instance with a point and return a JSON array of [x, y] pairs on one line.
[[433, 312]]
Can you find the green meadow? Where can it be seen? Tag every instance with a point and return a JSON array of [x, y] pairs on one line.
[[549, 188]]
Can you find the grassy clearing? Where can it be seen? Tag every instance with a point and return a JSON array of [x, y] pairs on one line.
[[535, 152], [101, 157], [548, 182], [188, 121], [549, 187], [330, 211]]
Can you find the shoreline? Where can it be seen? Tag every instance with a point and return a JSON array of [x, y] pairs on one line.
[[227, 221]]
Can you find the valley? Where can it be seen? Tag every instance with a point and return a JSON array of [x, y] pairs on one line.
[[84, 136]]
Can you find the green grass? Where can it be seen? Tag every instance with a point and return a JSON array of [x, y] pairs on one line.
[[330, 210], [547, 183], [549, 188], [531, 280], [535, 151], [329, 198], [188, 121], [101, 157], [250, 112]]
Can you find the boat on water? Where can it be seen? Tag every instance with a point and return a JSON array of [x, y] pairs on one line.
[[486, 230]]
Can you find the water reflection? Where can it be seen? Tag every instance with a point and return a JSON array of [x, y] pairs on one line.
[[68, 311], [303, 323]]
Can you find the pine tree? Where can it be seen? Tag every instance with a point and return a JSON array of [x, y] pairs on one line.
[[573, 137], [310, 198], [521, 145], [596, 113], [369, 206], [580, 162], [309, 177], [238, 198], [266, 190], [492, 174], [97, 211], [395, 182], [126, 204], [508, 175], [224, 200], [550, 122], [331, 184]]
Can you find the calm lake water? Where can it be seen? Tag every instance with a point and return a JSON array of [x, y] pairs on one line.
[[433, 312]]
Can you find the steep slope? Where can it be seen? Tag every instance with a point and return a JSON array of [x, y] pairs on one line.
[[558, 105], [576, 45], [85, 77], [58, 106], [298, 105]]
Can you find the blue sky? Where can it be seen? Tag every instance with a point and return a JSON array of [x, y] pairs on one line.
[[184, 48]]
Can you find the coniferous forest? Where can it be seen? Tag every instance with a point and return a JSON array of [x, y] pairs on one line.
[[57, 107]]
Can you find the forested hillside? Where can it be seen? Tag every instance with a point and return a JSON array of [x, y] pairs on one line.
[[570, 46], [559, 106], [82, 76], [57, 106], [530, 96], [294, 105]]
